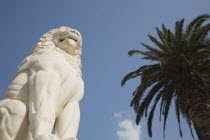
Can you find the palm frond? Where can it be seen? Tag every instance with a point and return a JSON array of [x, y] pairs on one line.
[[132, 52], [148, 74], [189, 122], [195, 21], [166, 90], [170, 38], [148, 78], [179, 29], [167, 104], [157, 43], [165, 30], [162, 37], [200, 35], [150, 118], [134, 74], [201, 21], [177, 109], [152, 50], [147, 100]]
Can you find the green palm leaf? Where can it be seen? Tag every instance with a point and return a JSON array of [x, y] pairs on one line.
[[182, 72], [150, 118], [147, 100], [178, 115], [196, 21]]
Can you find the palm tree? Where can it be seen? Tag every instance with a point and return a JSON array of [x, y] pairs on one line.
[[181, 74]]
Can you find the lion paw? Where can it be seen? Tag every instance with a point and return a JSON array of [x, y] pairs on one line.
[[71, 138], [53, 137], [48, 137]]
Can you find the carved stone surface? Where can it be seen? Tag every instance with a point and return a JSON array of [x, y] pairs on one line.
[[45, 91]]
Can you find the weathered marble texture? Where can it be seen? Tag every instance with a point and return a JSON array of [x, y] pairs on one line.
[[45, 91]]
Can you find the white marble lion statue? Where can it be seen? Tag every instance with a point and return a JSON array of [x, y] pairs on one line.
[[45, 92]]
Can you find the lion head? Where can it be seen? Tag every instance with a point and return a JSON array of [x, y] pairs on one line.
[[66, 41]]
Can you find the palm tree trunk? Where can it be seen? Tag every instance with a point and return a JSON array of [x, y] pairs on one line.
[[200, 115]]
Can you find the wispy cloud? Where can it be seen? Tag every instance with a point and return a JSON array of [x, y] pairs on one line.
[[117, 115], [127, 129]]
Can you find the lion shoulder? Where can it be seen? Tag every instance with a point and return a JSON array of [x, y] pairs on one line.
[[45, 61]]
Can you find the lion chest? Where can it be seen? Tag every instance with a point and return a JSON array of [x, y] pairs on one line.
[[71, 86], [71, 89]]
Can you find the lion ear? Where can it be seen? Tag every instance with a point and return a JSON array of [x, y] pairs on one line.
[[64, 28]]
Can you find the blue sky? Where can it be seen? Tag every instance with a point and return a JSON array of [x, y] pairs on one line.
[[109, 28]]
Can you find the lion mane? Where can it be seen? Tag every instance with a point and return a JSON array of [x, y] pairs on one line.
[[46, 44]]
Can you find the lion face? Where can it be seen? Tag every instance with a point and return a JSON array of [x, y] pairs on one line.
[[63, 40], [67, 39]]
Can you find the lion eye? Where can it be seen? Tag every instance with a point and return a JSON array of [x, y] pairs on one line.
[[61, 40]]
